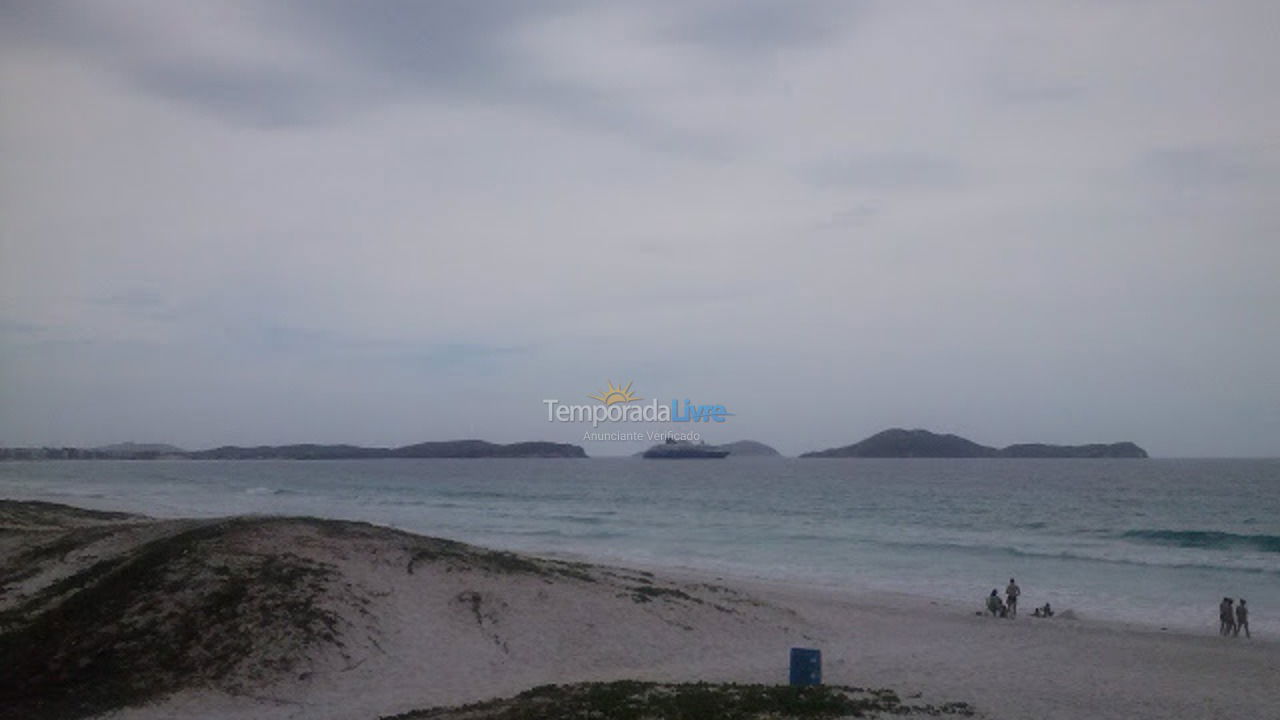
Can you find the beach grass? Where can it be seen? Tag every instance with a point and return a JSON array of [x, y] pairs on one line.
[[634, 700], [173, 612]]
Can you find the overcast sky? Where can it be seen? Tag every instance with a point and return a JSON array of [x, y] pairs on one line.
[[387, 222]]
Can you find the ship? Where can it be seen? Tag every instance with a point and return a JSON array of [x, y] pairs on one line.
[[682, 450]]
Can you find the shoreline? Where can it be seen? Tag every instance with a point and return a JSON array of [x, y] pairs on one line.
[[1266, 629], [418, 622], [851, 590]]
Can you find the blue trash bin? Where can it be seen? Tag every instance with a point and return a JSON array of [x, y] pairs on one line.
[[806, 666]]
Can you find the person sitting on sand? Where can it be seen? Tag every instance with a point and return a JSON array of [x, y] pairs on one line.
[[1242, 619], [1226, 617], [994, 605], [1011, 593]]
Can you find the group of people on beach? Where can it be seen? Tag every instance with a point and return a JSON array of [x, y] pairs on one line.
[[1233, 619], [1008, 608]]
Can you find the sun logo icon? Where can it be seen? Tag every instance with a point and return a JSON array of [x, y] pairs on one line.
[[615, 395]]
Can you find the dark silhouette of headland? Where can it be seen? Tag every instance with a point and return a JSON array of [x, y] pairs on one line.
[[899, 443], [308, 451]]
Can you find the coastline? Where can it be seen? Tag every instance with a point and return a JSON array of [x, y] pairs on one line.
[[855, 595], [420, 622], [1160, 581], [1060, 667]]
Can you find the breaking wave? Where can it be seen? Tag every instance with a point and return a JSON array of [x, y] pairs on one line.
[[1206, 539]]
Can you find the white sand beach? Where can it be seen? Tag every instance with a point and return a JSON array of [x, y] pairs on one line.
[[328, 620]]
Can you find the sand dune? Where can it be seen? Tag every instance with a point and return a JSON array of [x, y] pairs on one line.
[[306, 618]]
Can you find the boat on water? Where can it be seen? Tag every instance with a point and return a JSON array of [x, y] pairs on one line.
[[684, 450]]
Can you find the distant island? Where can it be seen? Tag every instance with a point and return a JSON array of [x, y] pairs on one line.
[[899, 443], [130, 449], [749, 448], [445, 449]]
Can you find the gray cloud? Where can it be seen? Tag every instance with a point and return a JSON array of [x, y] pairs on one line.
[[758, 28], [388, 222], [121, 40], [469, 355], [22, 330], [263, 97], [133, 299], [1015, 91], [887, 171], [1201, 166], [374, 53], [445, 47], [450, 46]]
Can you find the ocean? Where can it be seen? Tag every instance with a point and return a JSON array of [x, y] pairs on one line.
[[1157, 542]]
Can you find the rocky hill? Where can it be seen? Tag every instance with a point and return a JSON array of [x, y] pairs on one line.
[[307, 451], [899, 443], [749, 448]]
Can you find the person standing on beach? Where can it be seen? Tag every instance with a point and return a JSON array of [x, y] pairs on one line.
[[1242, 619], [1226, 617], [1011, 593]]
